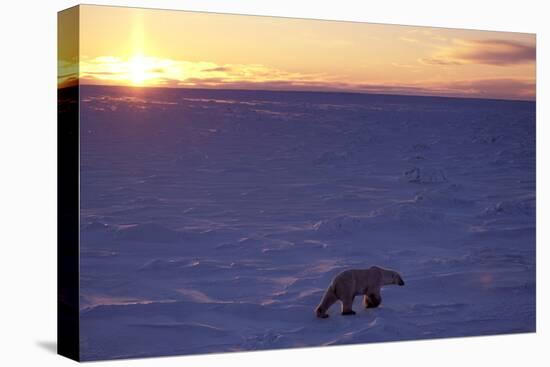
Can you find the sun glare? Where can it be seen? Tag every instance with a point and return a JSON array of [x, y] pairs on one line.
[[138, 70]]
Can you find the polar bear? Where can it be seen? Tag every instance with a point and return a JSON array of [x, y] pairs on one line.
[[350, 283]]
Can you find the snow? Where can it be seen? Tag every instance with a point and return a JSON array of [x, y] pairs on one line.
[[213, 221]]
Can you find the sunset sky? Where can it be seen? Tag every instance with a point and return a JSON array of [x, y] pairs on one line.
[[139, 47]]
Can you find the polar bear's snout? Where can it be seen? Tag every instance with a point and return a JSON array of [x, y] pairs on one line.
[[397, 279]]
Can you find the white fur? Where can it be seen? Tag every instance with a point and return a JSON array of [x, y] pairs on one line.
[[350, 283]]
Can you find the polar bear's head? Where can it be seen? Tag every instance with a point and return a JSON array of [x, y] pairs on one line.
[[392, 277]]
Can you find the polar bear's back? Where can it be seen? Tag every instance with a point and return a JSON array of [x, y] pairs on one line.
[[353, 281]]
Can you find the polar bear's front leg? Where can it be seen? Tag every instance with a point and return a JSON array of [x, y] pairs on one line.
[[347, 306], [372, 300]]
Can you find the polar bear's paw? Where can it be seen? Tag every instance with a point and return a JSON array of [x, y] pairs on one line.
[[350, 312]]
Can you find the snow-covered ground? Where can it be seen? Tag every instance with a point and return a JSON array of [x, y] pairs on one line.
[[213, 221]]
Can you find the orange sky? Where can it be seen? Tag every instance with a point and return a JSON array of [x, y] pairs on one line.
[[140, 47]]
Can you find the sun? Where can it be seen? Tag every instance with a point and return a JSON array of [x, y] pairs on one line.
[[138, 69]]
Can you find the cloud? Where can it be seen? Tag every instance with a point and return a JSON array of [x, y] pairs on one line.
[[439, 61], [498, 88], [67, 73], [513, 89], [101, 73], [217, 69], [68, 81], [497, 52], [409, 39], [151, 71], [172, 73], [488, 52], [488, 88]]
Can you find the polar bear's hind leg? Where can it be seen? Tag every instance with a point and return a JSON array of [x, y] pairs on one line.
[[329, 298]]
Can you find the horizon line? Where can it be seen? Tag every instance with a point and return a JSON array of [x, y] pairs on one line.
[[136, 87]]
